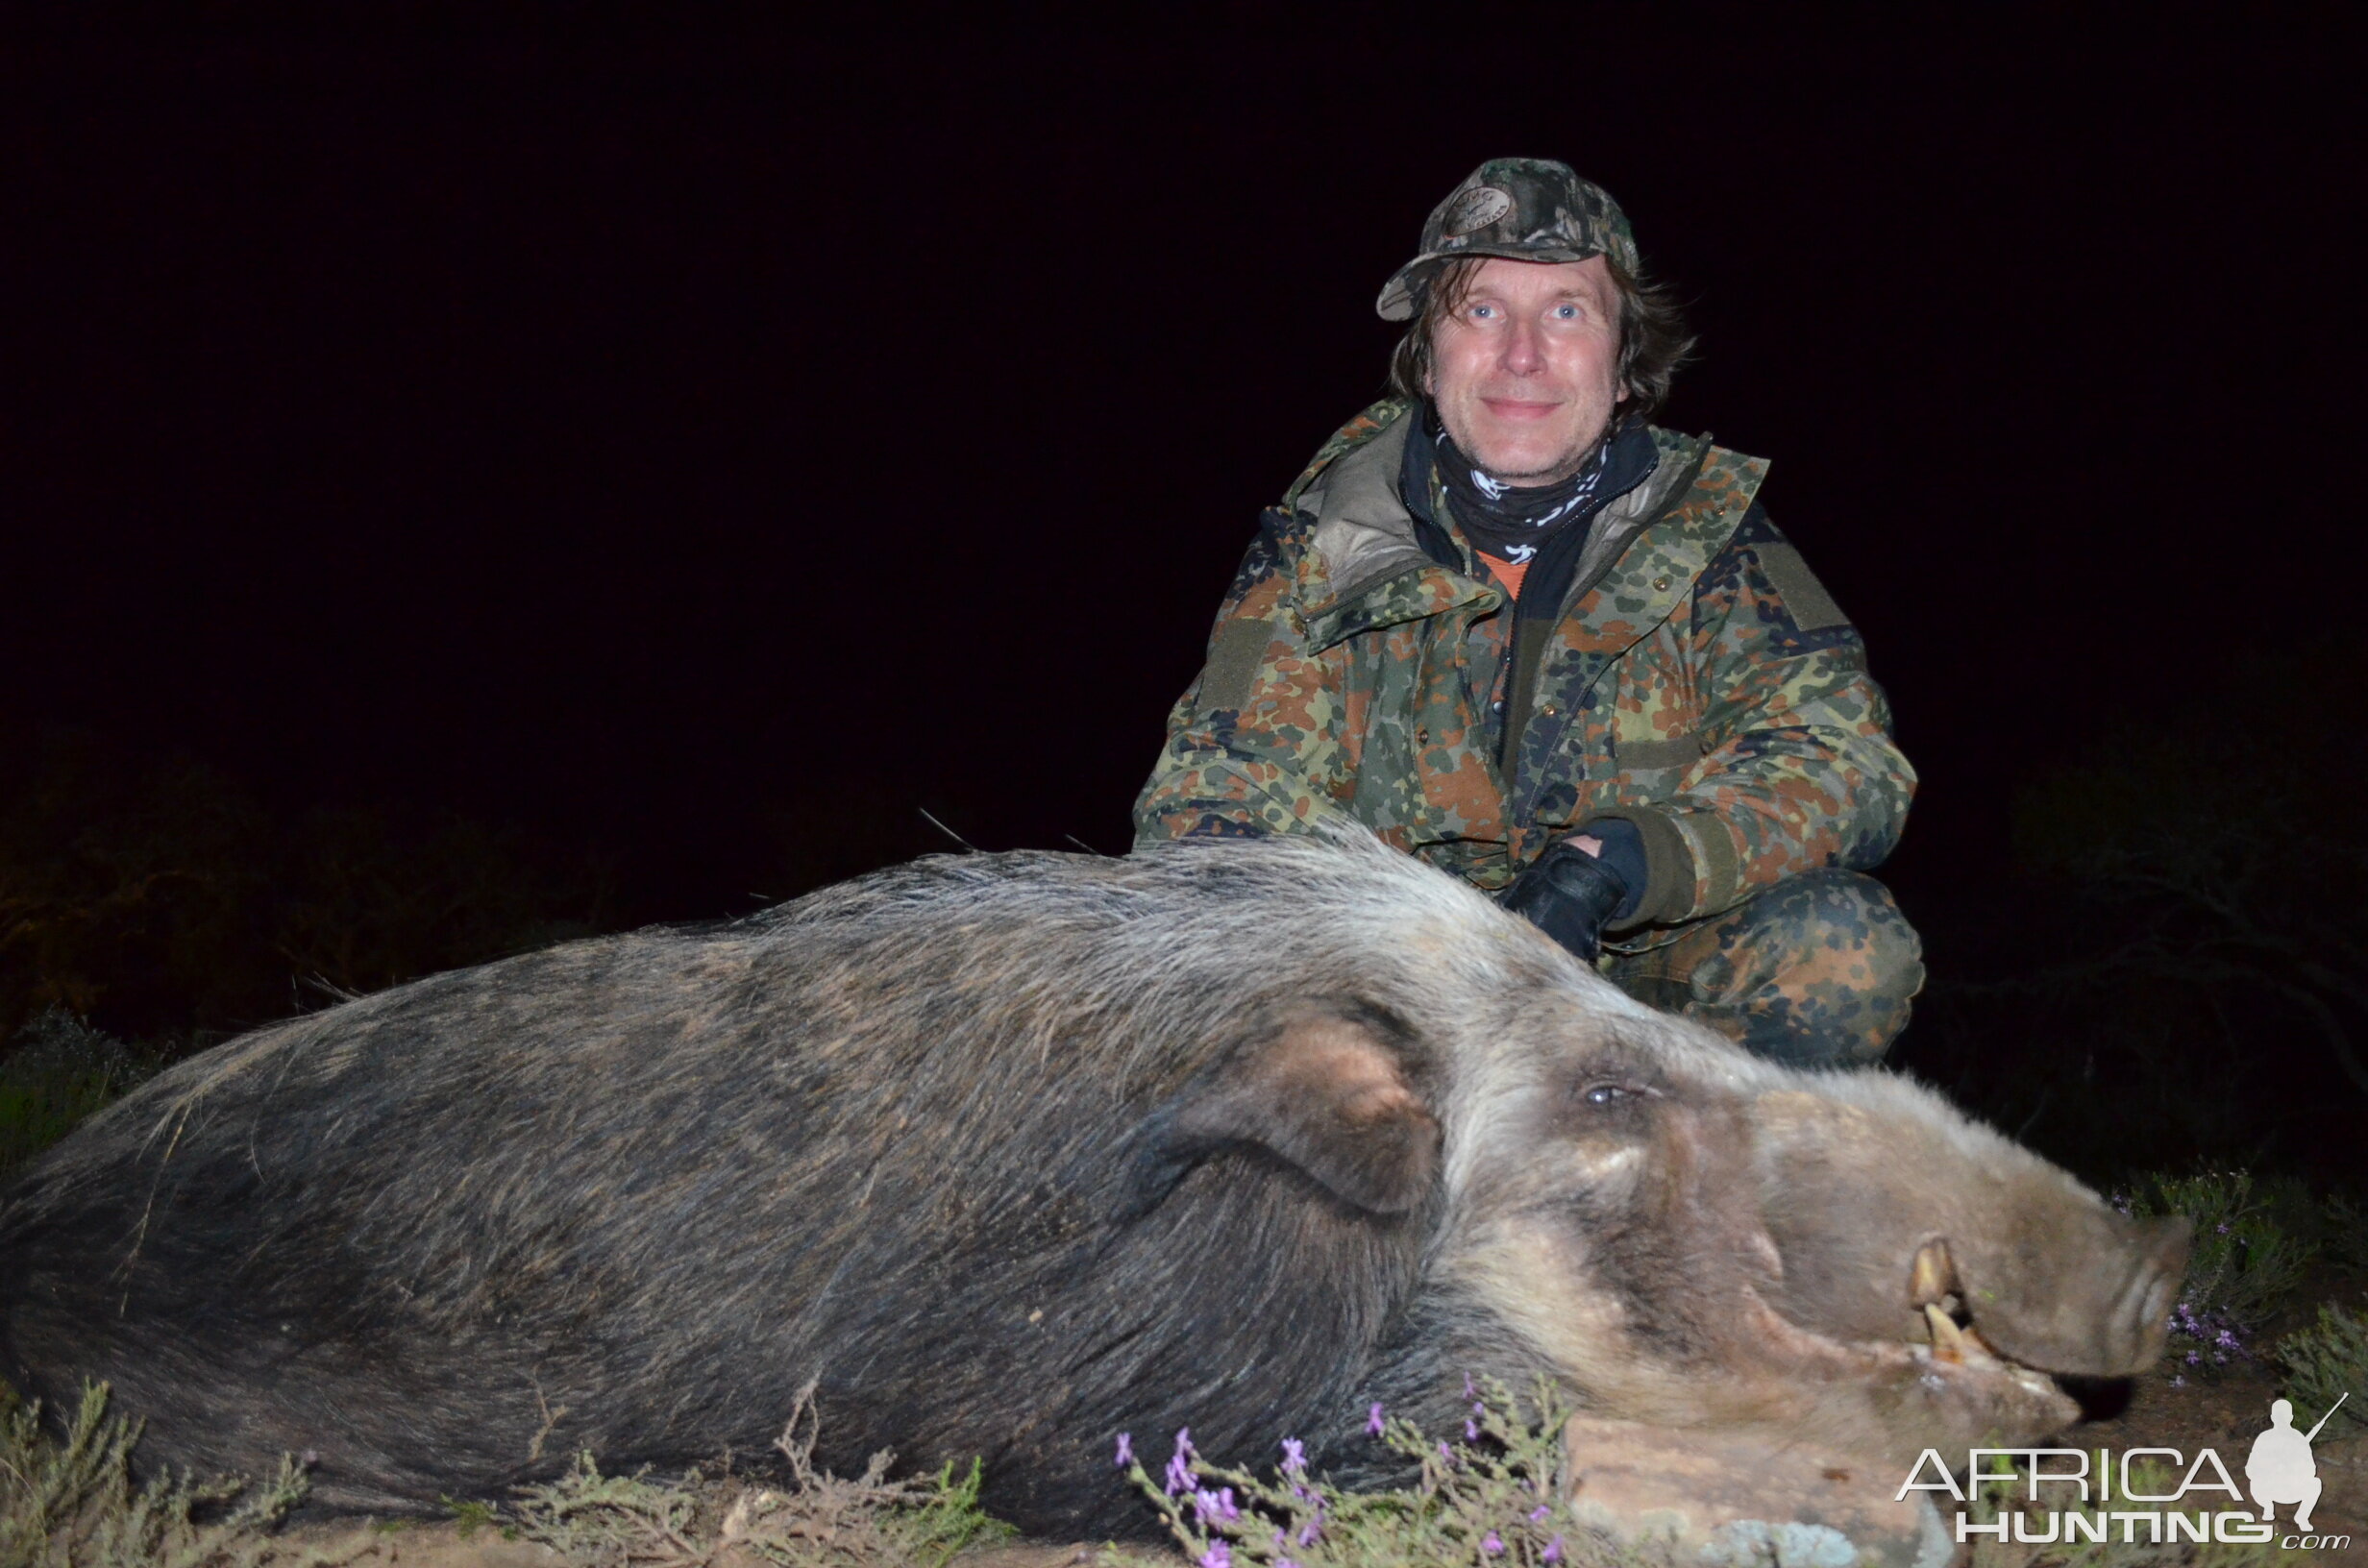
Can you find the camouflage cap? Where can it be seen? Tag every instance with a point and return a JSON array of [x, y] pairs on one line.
[[1530, 208]]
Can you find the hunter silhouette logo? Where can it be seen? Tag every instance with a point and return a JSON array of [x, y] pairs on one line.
[[2281, 1469]]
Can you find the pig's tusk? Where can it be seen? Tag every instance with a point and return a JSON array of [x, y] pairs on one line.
[[1948, 1345], [1934, 1276]]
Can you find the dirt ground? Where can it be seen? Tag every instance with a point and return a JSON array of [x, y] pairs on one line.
[[2225, 1414], [2222, 1413]]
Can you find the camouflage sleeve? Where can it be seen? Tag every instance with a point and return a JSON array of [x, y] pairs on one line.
[[1254, 744], [1798, 767]]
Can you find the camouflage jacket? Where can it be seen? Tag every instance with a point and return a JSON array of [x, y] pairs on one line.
[[1698, 681]]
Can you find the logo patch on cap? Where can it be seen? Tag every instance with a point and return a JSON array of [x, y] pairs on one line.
[[1475, 210]]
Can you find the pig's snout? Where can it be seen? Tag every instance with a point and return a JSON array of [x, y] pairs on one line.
[[2113, 1329], [2141, 1317]]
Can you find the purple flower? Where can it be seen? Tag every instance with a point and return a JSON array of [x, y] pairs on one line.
[[1446, 1454], [1285, 1563], [1294, 1455], [2194, 1360], [1553, 1550], [1373, 1419], [1492, 1543], [1313, 1531], [1537, 1515], [1217, 1556], [1180, 1464], [2179, 1383], [2222, 1228], [1126, 1450], [1219, 1504], [1469, 1392]]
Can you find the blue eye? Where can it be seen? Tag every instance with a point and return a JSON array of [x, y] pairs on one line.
[[1481, 311], [1567, 312]]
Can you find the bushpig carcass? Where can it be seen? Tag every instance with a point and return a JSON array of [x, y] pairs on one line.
[[1009, 1154]]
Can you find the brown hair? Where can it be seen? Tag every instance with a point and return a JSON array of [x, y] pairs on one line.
[[1653, 340]]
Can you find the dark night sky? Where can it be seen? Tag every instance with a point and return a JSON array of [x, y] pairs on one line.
[[655, 434]]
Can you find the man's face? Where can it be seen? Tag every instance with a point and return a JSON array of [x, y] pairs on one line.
[[1526, 375]]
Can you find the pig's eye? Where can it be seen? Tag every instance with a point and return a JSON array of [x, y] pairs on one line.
[[1601, 1094]]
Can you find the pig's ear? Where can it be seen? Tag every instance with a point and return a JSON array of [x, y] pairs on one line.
[[1329, 1094]]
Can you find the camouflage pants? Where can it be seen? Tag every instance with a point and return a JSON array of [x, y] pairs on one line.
[[1817, 971]]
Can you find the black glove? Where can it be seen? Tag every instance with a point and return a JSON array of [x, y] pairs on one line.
[[1568, 894]]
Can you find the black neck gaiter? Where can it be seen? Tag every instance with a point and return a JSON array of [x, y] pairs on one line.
[[1514, 521]]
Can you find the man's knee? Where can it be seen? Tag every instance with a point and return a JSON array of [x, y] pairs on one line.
[[1818, 970], [1833, 912]]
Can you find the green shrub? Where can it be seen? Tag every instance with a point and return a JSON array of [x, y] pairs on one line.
[[2346, 1225], [1489, 1498], [816, 1521], [2247, 1258], [73, 1504], [2324, 1362], [57, 1072], [597, 1521]]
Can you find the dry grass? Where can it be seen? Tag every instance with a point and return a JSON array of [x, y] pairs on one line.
[[71, 1503], [815, 1520], [1490, 1499]]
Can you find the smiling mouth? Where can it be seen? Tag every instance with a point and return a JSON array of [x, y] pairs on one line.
[[1518, 409]]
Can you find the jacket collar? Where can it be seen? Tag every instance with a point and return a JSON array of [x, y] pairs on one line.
[[1364, 532], [1363, 535]]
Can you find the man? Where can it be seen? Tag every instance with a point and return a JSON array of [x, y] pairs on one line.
[[1511, 626]]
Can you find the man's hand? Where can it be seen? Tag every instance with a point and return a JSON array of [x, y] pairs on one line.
[[1568, 894]]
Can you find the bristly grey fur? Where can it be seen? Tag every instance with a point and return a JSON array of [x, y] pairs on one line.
[[1011, 1153]]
